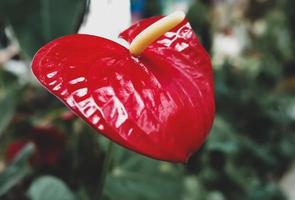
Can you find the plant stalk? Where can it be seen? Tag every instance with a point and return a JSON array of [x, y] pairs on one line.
[[105, 169]]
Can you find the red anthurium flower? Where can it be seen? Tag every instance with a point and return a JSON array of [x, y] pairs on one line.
[[49, 143], [160, 104]]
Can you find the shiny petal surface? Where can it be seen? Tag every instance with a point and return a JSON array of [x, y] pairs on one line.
[[160, 104]]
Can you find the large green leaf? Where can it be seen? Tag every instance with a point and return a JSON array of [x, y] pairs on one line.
[[6, 79], [137, 177], [36, 22], [17, 170], [49, 188]]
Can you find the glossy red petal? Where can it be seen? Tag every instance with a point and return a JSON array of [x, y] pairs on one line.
[[181, 49], [187, 68], [160, 104]]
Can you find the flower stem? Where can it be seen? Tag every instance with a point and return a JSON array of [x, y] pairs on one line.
[[105, 168]]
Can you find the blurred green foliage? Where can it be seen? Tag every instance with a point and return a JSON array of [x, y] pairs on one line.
[[17, 170], [250, 146], [48, 188], [40, 21]]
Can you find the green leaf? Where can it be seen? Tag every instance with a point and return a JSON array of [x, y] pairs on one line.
[[6, 79], [49, 188], [269, 191], [137, 177], [132, 186], [8, 104], [15, 172], [222, 137], [39, 21], [193, 189], [215, 196]]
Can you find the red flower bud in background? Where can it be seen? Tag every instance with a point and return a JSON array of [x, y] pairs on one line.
[[160, 104], [14, 148], [49, 143], [68, 116]]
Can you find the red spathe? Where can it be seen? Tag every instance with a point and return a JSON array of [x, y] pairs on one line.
[[160, 104]]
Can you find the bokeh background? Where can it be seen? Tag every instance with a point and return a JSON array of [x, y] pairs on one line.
[[47, 153]]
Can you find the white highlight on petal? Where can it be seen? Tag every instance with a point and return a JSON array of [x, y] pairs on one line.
[[105, 93], [90, 111], [81, 92], [95, 119], [183, 32], [181, 46], [130, 132], [70, 101], [52, 74], [52, 83], [101, 127], [89, 102], [121, 112], [112, 106], [77, 80], [64, 92], [57, 87]]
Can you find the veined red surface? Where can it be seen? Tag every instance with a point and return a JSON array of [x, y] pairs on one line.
[[160, 104]]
